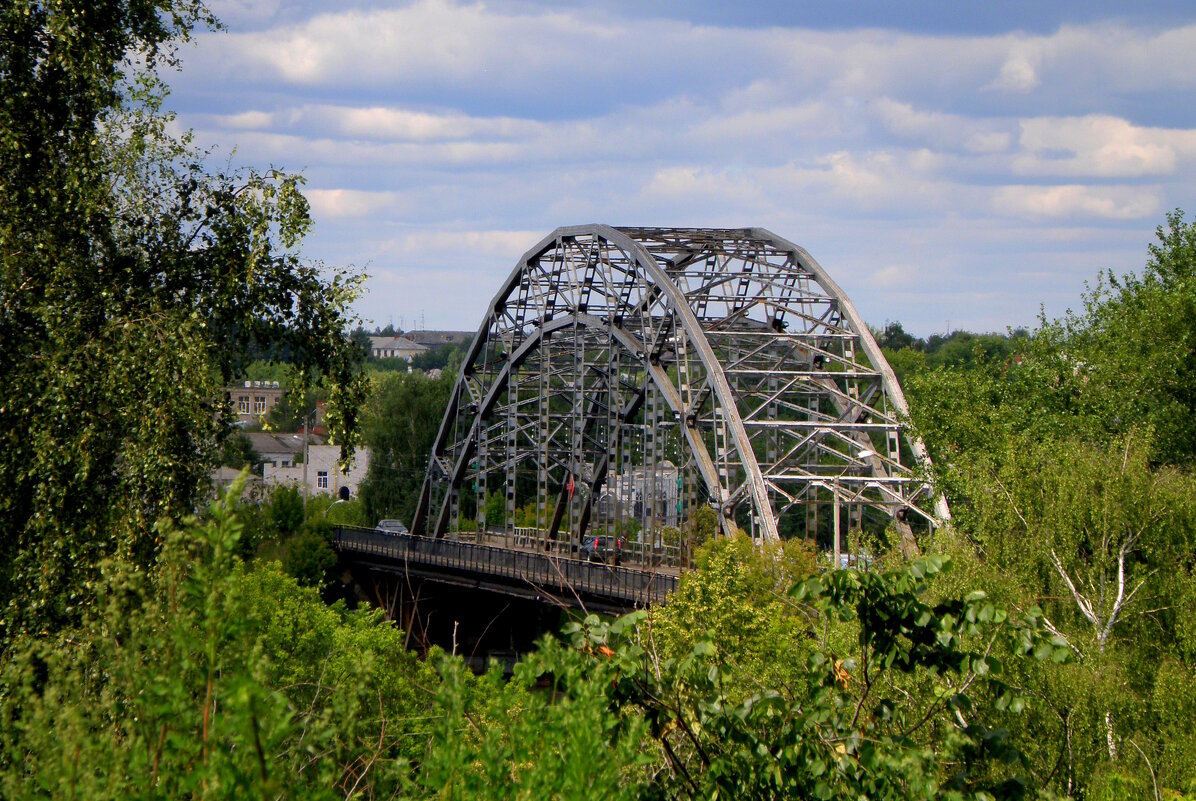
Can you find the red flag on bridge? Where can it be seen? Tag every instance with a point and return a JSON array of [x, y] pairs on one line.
[[569, 486]]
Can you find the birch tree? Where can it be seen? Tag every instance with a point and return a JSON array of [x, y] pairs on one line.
[[1094, 536], [134, 281]]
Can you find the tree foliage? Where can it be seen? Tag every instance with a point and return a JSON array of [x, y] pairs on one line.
[[1069, 471], [203, 679], [400, 426], [695, 724], [135, 282], [141, 658], [736, 597]]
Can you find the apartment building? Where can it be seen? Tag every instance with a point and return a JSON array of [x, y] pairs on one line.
[[253, 400]]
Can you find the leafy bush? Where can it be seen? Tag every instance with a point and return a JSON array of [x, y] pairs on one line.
[[198, 679]]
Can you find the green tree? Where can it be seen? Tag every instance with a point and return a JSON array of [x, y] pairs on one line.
[[735, 595], [286, 509], [439, 358], [308, 556], [201, 680], [135, 283], [1068, 468], [895, 337], [293, 408], [1125, 365], [237, 451], [903, 713], [532, 738], [1103, 543], [1134, 346], [401, 423]]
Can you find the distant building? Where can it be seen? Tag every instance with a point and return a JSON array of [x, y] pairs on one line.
[[323, 475], [275, 451], [434, 339], [399, 347], [641, 494], [280, 450], [253, 400], [223, 477]]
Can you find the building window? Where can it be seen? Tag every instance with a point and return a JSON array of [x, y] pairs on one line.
[[243, 404], [322, 479], [259, 404]]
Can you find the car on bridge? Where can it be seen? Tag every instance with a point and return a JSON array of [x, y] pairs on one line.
[[394, 528], [602, 548]]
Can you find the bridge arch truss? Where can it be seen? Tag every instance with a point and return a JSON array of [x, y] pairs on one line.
[[641, 373]]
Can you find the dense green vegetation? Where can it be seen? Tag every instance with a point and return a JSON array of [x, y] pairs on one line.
[[1044, 647], [136, 282], [205, 677], [401, 420], [1069, 466]]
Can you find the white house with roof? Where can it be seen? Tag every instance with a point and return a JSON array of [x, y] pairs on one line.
[[396, 347]]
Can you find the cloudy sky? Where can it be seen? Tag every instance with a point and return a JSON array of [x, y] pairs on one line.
[[951, 164]]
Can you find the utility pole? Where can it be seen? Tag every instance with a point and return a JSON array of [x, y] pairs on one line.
[[305, 459]]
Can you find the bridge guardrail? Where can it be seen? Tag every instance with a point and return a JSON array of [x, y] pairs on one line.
[[565, 575], [642, 554]]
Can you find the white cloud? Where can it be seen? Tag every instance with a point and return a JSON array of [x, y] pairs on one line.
[[378, 122], [895, 276], [1100, 146], [244, 11], [1017, 75], [953, 131], [687, 182], [474, 129], [474, 245], [1110, 203], [785, 123], [1122, 58], [339, 203], [988, 142], [904, 183], [575, 58], [430, 40], [247, 120]]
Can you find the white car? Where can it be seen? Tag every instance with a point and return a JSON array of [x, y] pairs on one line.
[[392, 527]]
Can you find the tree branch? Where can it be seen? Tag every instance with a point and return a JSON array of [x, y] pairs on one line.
[[1082, 602]]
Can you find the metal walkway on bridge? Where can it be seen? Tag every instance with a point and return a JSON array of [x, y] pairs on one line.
[[548, 576]]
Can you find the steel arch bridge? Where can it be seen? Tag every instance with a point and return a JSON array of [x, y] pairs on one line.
[[642, 373]]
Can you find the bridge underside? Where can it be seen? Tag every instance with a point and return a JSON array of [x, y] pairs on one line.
[[625, 378]]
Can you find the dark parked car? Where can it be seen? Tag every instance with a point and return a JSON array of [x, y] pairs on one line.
[[392, 527], [602, 548]]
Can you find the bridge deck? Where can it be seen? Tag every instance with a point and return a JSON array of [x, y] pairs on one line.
[[524, 573]]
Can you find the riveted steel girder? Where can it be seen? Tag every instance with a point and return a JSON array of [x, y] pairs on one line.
[[638, 373]]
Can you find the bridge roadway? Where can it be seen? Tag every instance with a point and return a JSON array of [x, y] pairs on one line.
[[525, 571]]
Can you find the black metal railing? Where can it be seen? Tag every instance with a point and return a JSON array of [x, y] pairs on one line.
[[566, 576]]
